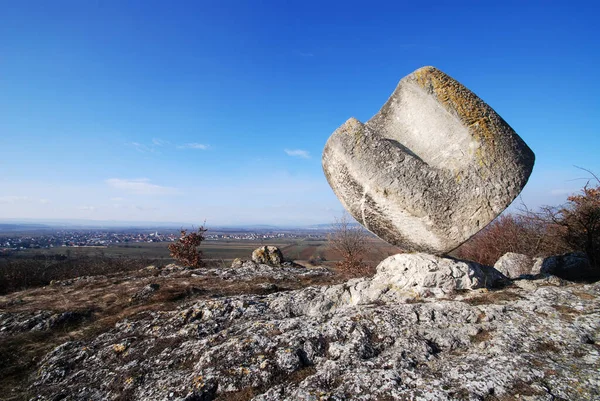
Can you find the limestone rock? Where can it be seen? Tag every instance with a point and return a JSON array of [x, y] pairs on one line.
[[270, 255], [431, 169], [514, 344], [237, 263], [513, 265], [569, 266], [428, 272], [145, 292]]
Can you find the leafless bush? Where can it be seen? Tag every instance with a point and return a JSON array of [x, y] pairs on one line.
[[185, 250], [577, 223], [552, 230], [527, 233], [349, 240]]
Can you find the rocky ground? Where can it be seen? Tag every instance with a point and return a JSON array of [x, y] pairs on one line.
[[271, 333]]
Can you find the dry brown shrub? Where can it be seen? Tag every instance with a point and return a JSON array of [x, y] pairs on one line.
[[552, 230], [577, 222], [185, 250], [527, 233], [350, 241]]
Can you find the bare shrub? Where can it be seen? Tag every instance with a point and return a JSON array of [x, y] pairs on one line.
[[349, 240], [185, 250], [574, 226], [516, 233], [577, 223]]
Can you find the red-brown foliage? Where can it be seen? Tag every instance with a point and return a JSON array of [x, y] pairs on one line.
[[574, 226], [185, 250], [579, 222]]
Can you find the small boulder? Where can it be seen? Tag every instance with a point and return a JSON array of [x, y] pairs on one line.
[[145, 292], [237, 263], [514, 265], [268, 255], [572, 266]]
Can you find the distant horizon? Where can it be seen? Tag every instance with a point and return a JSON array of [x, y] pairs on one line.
[[53, 223]]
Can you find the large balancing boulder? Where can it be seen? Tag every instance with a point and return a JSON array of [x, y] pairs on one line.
[[431, 169]]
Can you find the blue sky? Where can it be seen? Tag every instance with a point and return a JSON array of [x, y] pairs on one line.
[[183, 111]]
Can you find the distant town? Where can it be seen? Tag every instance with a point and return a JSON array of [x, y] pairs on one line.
[[103, 238]]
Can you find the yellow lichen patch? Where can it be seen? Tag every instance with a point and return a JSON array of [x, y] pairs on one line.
[[459, 100], [129, 380], [353, 127], [198, 381], [119, 348]]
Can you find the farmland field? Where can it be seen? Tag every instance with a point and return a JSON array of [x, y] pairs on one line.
[[298, 249]]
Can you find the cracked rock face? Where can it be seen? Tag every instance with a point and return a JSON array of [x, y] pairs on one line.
[[537, 344], [431, 169]]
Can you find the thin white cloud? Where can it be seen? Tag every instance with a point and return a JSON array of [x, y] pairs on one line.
[[140, 186], [117, 199], [22, 199], [87, 208], [14, 199], [297, 153], [304, 54], [145, 208], [198, 146], [159, 142], [140, 147]]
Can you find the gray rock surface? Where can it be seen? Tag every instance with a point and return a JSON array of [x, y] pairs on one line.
[[428, 275], [569, 266], [269, 254], [431, 169], [513, 265], [237, 263], [539, 343]]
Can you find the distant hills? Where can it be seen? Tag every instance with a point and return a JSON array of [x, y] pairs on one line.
[[7, 225]]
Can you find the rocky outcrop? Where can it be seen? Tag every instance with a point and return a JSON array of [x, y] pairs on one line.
[[269, 255], [431, 169], [569, 266], [539, 343], [513, 265]]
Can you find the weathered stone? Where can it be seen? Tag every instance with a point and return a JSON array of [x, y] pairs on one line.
[[237, 263], [569, 266], [431, 169], [424, 272], [513, 265], [270, 255], [511, 344]]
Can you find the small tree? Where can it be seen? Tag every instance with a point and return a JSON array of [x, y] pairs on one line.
[[578, 222], [185, 250], [350, 240]]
